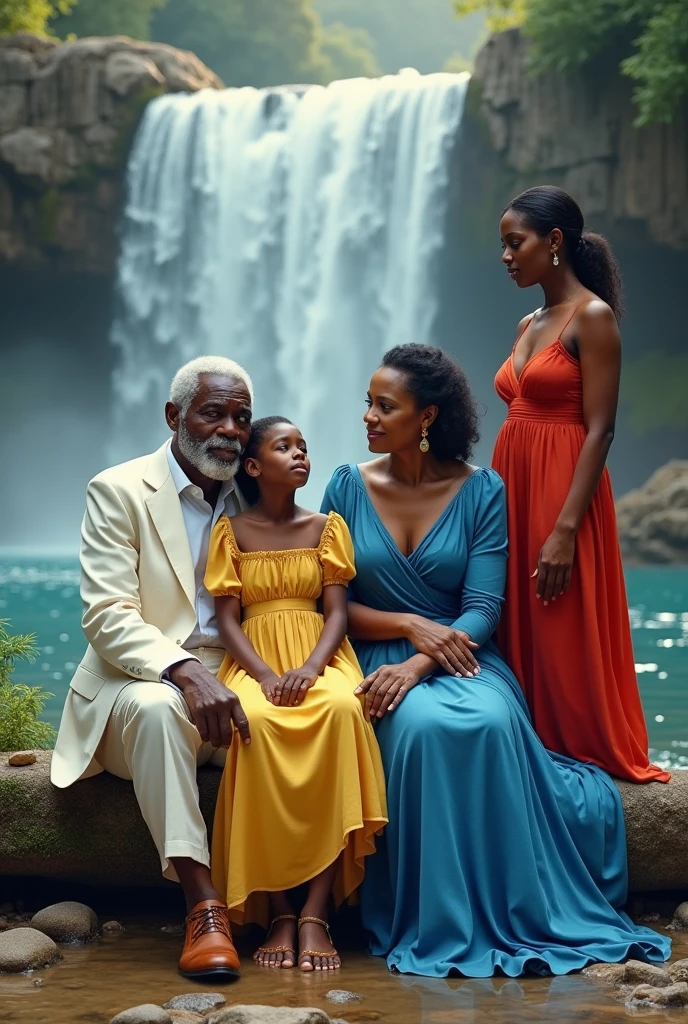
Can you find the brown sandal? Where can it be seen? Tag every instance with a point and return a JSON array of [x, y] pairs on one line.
[[316, 952], [276, 949]]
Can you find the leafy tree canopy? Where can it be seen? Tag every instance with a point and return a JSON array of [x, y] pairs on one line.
[[653, 34], [423, 34], [29, 15], [111, 18], [260, 42]]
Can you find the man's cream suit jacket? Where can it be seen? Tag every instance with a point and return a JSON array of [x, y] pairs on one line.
[[138, 594]]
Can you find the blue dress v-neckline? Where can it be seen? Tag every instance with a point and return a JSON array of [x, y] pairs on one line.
[[427, 536], [499, 856]]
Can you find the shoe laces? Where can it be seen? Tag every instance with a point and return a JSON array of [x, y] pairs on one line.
[[209, 919]]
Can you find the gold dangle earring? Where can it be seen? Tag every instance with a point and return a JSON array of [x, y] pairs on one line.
[[424, 443]]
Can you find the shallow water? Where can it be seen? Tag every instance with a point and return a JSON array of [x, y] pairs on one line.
[[41, 595], [94, 983]]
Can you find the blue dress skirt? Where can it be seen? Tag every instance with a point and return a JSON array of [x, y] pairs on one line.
[[499, 855]]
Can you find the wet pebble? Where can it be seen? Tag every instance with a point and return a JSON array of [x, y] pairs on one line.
[[196, 1002], [680, 920], [650, 995], [67, 922], [173, 929], [606, 974], [112, 928], [38, 982], [638, 973], [184, 1017], [22, 757], [341, 995], [25, 949], [147, 1013], [268, 1015]]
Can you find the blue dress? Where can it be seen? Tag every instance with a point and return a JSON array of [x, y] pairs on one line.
[[499, 855]]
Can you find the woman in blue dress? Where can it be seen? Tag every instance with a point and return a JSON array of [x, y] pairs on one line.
[[498, 856]]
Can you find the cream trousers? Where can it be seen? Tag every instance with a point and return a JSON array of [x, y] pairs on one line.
[[151, 740]]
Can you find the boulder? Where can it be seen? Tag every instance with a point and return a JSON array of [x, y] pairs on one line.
[[186, 1017], [43, 832], [679, 922], [68, 113], [678, 971], [636, 972], [25, 949], [268, 1015], [671, 995], [147, 1013], [653, 520], [196, 1002], [112, 928], [606, 974], [67, 922]]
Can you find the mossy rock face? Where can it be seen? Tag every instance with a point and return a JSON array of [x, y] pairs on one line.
[[93, 832]]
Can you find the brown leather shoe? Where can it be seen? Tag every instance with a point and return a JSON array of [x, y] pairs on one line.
[[208, 949]]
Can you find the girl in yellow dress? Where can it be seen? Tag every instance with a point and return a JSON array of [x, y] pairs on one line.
[[302, 802]]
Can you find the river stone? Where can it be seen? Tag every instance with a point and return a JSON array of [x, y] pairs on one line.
[[185, 1017], [606, 974], [671, 995], [196, 1002], [147, 1013], [341, 995], [267, 1015], [67, 922], [678, 971], [21, 757], [112, 928], [680, 920], [26, 949], [639, 973]]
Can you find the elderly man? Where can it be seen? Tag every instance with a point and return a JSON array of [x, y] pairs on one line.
[[145, 703]]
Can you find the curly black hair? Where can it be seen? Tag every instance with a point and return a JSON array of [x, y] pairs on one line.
[[248, 485], [434, 378]]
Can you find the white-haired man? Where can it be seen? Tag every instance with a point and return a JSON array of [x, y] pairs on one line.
[[145, 703]]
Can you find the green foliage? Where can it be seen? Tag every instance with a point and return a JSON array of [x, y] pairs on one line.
[[108, 18], [423, 34], [651, 34], [456, 64], [644, 380], [20, 705], [30, 15], [247, 42], [348, 52]]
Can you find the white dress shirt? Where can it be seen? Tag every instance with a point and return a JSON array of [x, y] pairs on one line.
[[199, 519]]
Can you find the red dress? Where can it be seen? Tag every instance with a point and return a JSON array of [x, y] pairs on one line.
[[573, 657]]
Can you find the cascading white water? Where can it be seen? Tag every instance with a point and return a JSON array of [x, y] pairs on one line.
[[296, 230]]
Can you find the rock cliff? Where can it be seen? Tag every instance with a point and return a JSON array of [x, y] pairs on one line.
[[653, 520], [576, 130], [93, 832], [67, 116]]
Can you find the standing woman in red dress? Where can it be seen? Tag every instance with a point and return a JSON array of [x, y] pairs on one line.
[[565, 630]]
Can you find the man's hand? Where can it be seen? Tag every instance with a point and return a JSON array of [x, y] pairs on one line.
[[212, 706]]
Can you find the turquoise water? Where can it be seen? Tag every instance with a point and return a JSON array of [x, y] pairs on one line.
[[41, 595]]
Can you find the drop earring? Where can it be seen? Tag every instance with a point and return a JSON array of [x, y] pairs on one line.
[[424, 443], [555, 260]]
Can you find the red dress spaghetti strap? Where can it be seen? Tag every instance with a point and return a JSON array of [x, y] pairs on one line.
[[574, 657]]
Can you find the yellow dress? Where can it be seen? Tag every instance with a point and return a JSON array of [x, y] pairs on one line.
[[311, 783]]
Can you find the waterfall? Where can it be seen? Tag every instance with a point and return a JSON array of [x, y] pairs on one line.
[[296, 230]]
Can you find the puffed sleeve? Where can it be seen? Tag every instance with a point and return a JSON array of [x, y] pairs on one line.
[[221, 575], [337, 552]]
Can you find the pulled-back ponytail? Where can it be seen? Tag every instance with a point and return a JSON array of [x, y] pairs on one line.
[[547, 207]]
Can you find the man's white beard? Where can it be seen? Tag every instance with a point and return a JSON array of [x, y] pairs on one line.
[[199, 455]]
